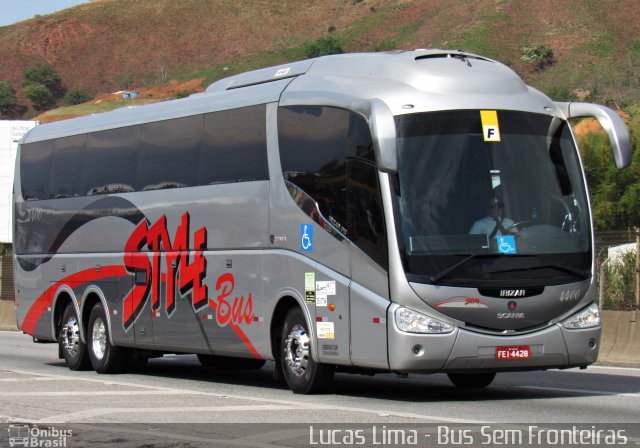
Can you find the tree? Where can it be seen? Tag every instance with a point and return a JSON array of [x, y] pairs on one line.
[[7, 96], [539, 55], [42, 73], [322, 47], [39, 95], [76, 97], [42, 85]]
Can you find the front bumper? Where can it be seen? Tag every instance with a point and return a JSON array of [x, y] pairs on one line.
[[464, 350]]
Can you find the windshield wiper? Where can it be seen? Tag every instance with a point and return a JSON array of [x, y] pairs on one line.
[[560, 267], [441, 274]]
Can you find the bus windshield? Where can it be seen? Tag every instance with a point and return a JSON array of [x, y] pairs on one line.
[[505, 206]]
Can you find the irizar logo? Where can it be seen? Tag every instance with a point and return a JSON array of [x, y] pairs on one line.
[[513, 292]]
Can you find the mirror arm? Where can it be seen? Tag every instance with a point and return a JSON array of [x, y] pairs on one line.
[[610, 122]]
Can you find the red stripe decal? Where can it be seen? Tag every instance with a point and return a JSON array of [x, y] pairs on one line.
[[46, 299], [240, 333]]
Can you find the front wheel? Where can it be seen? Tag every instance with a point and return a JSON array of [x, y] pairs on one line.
[[302, 373], [471, 380], [105, 357], [73, 350]]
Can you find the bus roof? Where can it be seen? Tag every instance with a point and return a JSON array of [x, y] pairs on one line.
[[408, 81]]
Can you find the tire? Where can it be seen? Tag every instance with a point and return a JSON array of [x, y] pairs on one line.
[[471, 380], [302, 374], [105, 357], [230, 363], [73, 350]]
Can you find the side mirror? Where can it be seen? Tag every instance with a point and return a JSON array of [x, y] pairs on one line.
[[383, 130], [610, 122]]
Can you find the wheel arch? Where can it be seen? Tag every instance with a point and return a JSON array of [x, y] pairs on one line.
[[90, 297], [63, 297], [285, 303]]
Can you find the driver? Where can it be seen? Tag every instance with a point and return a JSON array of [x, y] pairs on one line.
[[494, 223]]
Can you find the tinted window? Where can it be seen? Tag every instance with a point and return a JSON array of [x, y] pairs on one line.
[[35, 166], [168, 153], [111, 161], [227, 146], [366, 222], [234, 147], [359, 143], [313, 143], [66, 169]]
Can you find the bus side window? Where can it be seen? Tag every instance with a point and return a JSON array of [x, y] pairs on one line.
[[366, 221], [168, 154], [111, 161], [312, 142], [66, 179], [234, 146], [35, 167]]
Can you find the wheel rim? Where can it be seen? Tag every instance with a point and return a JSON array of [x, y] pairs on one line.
[[98, 338], [296, 350], [71, 336]]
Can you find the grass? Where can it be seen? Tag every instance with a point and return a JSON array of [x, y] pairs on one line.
[[88, 109]]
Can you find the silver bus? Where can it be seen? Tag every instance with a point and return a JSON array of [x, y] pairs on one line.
[[414, 211]]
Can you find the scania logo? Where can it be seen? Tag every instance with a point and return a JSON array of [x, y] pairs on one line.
[[510, 316], [513, 292], [511, 305]]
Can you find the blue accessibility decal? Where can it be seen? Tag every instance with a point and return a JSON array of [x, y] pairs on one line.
[[306, 237], [506, 244]]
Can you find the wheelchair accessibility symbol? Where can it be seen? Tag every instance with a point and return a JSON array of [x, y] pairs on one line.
[[306, 237], [506, 244]]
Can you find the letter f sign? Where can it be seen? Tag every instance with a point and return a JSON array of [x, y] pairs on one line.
[[490, 126]]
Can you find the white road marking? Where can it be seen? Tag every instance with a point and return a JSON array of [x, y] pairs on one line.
[[99, 412], [582, 391], [298, 404]]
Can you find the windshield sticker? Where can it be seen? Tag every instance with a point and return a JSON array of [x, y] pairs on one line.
[[325, 330], [506, 244], [490, 126], [495, 178], [462, 302], [306, 237], [309, 287]]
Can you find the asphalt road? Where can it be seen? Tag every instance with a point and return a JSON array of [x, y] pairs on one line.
[[176, 402]]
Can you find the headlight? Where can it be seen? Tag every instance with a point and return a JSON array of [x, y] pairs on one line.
[[413, 322], [587, 318]]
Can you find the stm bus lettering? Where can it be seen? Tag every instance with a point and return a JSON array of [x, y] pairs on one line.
[[181, 273], [187, 275]]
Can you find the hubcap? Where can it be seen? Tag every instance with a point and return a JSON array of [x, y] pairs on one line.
[[71, 336], [296, 350], [98, 338]]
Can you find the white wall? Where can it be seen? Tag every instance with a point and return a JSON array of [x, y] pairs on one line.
[[10, 134]]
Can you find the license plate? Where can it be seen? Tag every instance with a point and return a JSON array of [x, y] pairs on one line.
[[513, 352]]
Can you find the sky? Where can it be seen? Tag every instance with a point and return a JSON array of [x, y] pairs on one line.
[[12, 11]]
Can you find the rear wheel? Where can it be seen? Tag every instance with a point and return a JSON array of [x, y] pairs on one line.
[[73, 350], [471, 380], [302, 373], [105, 357], [230, 363]]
